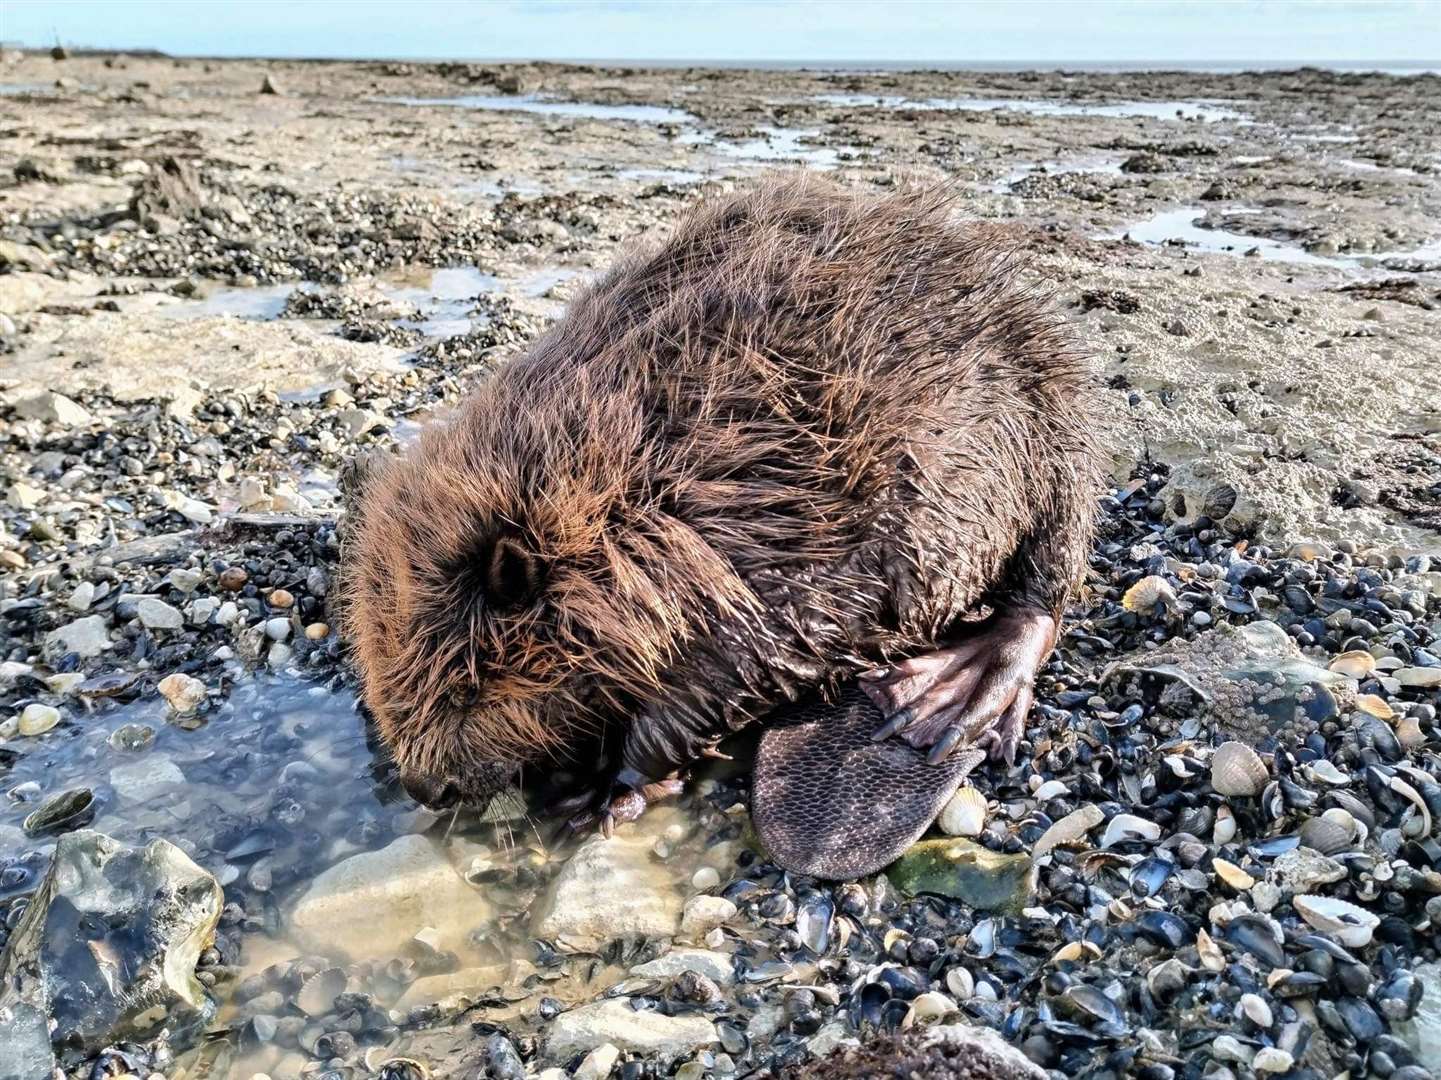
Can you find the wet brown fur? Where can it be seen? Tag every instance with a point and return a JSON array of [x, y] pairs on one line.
[[809, 432]]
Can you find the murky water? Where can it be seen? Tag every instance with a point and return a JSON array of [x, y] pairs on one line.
[[531, 103], [774, 144], [445, 297], [1099, 166], [18, 89], [1204, 111], [283, 794], [257, 302], [1181, 225]]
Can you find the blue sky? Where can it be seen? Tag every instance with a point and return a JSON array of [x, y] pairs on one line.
[[761, 30]]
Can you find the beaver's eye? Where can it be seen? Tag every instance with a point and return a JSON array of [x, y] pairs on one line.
[[512, 575], [463, 697]]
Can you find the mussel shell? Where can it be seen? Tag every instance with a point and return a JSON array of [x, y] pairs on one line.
[[66, 811]]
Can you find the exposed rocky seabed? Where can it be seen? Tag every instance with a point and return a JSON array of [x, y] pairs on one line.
[[1216, 855]]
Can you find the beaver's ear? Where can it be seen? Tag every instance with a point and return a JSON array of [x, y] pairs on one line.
[[513, 575]]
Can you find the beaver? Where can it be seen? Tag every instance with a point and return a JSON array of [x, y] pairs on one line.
[[816, 443]]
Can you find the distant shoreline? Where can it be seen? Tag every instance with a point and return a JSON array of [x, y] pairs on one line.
[[1212, 67]]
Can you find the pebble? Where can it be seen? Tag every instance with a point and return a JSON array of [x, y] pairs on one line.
[[317, 631], [184, 692], [1272, 1059], [233, 578], [705, 879], [81, 597], [277, 629], [158, 615], [599, 1063], [85, 637], [704, 913]]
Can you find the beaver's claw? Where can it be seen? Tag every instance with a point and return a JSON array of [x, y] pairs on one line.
[[976, 692], [623, 800]]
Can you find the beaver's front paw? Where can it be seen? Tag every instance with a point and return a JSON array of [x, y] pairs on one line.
[[976, 692], [617, 801]]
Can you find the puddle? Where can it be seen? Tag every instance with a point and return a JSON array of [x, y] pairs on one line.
[[774, 144], [1181, 225], [1321, 137], [1091, 166], [18, 89], [646, 114], [259, 302], [445, 298], [1371, 166], [1204, 111], [669, 176]]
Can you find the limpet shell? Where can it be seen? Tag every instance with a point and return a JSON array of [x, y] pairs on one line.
[[1237, 770], [1147, 593], [1350, 925], [1356, 664]]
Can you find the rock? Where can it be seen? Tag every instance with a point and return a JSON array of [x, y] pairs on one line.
[[24, 496], [1419, 678], [182, 691], [1252, 678], [81, 597], [958, 1050], [704, 913], [609, 889], [1422, 1032], [614, 1021], [277, 629], [53, 408], [184, 580], [456, 989], [108, 946], [146, 779], [158, 615], [86, 637], [268, 85], [716, 966], [373, 903], [25, 1052], [599, 1063], [358, 422], [1303, 870], [968, 872]]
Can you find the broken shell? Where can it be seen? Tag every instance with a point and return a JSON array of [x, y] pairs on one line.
[[1375, 705], [1256, 1010], [1232, 875], [1327, 773], [1350, 925], [1212, 958], [1333, 831], [1069, 829], [929, 1008], [1410, 825], [1409, 733], [1051, 789], [965, 814], [1356, 664], [1224, 830], [318, 993], [1124, 827], [1237, 770], [1147, 593]]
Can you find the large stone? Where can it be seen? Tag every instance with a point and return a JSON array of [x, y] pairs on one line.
[[966, 871], [959, 1050], [87, 637], [610, 889], [716, 966], [1252, 679], [146, 778], [373, 903], [107, 948], [158, 615], [25, 1052], [614, 1021], [53, 408]]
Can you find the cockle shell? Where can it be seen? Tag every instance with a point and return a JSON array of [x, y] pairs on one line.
[[1333, 831], [1352, 926], [1143, 596], [1237, 770], [1356, 664], [965, 814]]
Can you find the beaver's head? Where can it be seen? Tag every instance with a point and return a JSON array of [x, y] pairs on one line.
[[511, 588]]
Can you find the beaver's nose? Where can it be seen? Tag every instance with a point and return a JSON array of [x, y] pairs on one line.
[[430, 792]]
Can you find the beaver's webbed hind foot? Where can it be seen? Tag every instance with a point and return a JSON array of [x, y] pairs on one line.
[[976, 692]]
